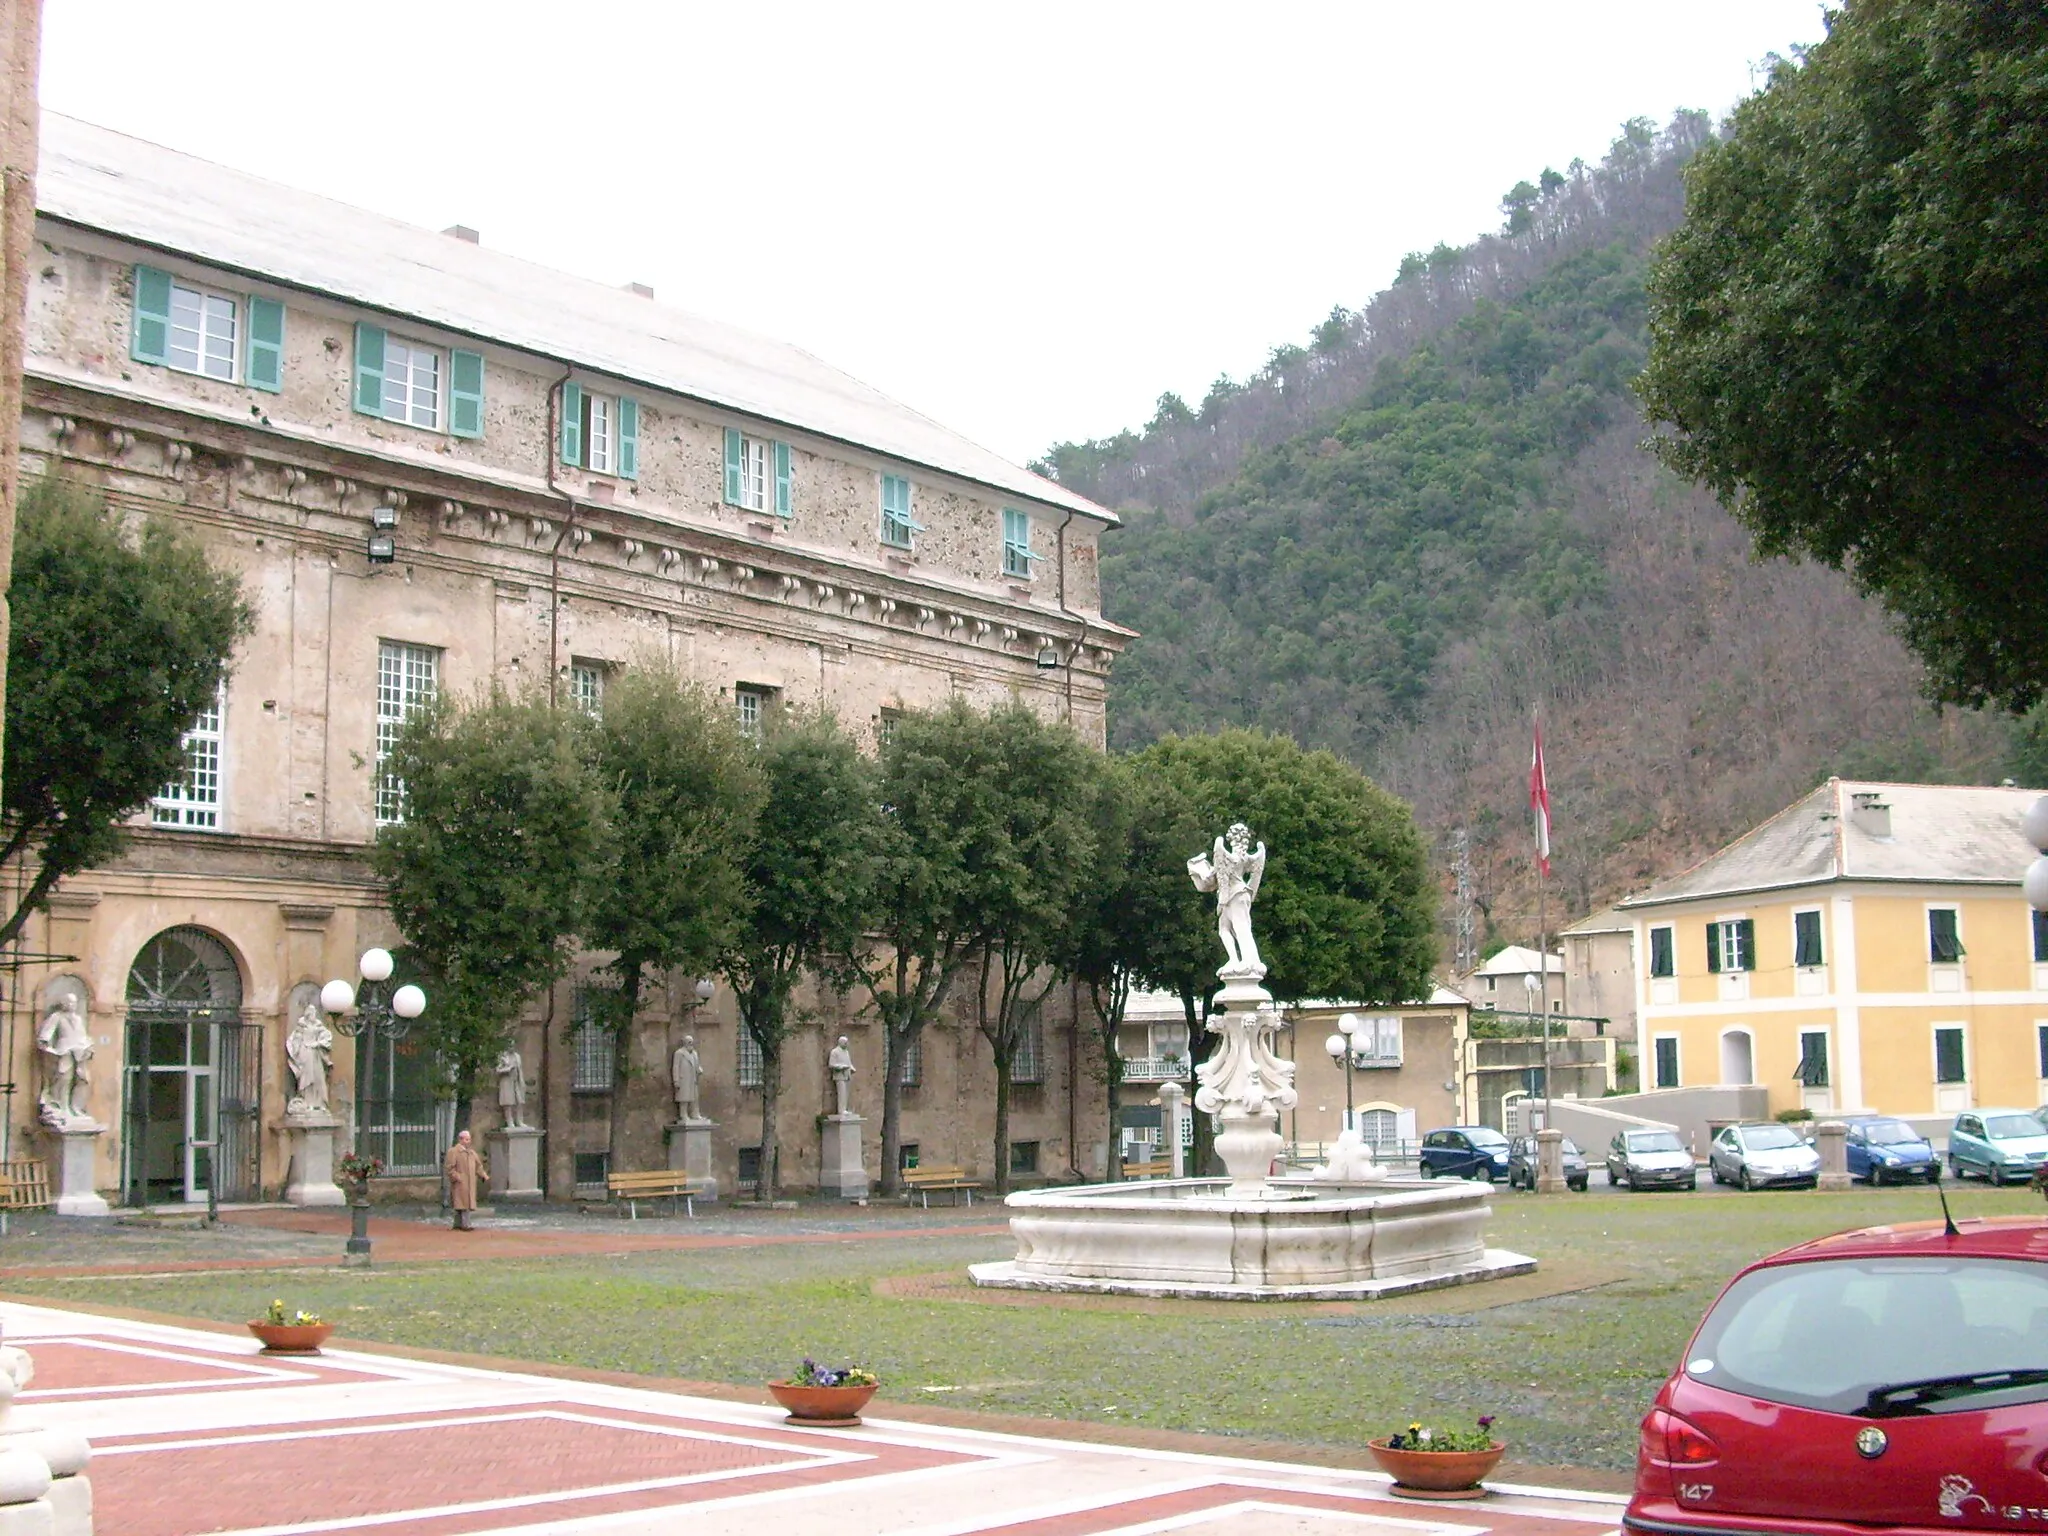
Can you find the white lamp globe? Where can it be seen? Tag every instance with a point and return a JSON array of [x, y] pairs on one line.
[[2035, 884], [337, 997], [1335, 1046], [706, 989], [375, 965], [1350, 1023], [408, 1002], [2035, 823]]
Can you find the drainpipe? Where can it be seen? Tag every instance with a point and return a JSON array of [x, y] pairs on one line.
[[1067, 612], [548, 450]]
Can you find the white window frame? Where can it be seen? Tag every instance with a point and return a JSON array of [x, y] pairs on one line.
[[751, 705], [193, 801], [1018, 556], [409, 409], [600, 433], [757, 490], [1728, 946], [586, 686], [1677, 1059], [202, 298], [902, 520], [1387, 1030], [408, 678]]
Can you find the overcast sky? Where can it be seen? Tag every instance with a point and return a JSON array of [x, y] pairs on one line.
[[1027, 220]]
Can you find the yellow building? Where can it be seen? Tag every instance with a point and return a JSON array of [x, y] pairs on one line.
[[1866, 948]]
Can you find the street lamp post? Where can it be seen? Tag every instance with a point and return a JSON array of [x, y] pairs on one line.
[[1339, 1046], [360, 1014], [1538, 1002]]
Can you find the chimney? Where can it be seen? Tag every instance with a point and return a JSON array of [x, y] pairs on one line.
[[642, 289], [464, 233], [1869, 814]]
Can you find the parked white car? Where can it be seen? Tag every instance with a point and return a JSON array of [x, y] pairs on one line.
[[1756, 1156]]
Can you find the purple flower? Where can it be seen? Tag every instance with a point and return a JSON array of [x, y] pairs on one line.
[[1486, 1421]]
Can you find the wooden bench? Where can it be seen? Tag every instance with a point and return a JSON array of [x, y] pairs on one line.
[[924, 1182], [665, 1184], [1157, 1168], [24, 1185]]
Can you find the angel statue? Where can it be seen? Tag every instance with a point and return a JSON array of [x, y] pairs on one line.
[[1232, 869]]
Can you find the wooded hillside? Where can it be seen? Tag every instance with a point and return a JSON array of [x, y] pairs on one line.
[[1399, 540]]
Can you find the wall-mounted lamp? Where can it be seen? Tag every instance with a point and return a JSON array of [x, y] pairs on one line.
[[1048, 656], [383, 545]]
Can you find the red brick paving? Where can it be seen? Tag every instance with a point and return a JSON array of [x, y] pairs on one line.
[[549, 1457], [107, 1367], [1190, 1501]]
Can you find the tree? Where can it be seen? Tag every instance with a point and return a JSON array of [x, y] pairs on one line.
[[1847, 330], [936, 814], [1139, 917], [1030, 856], [686, 789], [810, 879], [118, 645], [489, 874]]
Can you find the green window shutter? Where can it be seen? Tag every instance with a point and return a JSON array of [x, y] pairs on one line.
[[572, 424], [369, 369], [1745, 944], [1713, 946], [2040, 938], [783, 502], [151, 340], [466, 394], [629, 438], [732, 466], [263, 368]]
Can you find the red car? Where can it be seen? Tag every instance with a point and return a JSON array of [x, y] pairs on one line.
[[1893, 1379]]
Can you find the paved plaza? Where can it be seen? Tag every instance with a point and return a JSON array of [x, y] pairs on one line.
[[195, 1431]]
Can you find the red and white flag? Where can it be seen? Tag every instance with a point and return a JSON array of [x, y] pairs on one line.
[[1539, 802]]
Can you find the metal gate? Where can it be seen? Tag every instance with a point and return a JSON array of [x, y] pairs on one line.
[[191, 1075], [238, 1109]]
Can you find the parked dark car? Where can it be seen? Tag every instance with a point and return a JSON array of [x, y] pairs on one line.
[[1888, 1380], [1522, 1164], [1465, 1152], [1651, 1160], [1887, 1151]]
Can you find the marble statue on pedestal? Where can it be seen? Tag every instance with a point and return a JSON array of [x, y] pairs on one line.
[[840, 1064], [1233, 869], [512, 1090], [1350, 1161], [309, 1049], [65, 1039], [686, 1076]]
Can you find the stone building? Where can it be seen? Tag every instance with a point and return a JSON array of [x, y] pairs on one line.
[[435, 466]]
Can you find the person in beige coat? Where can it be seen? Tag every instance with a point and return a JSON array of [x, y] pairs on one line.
[[466, 1171]]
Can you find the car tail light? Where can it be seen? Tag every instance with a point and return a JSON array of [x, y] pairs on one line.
[[1672, 1441]]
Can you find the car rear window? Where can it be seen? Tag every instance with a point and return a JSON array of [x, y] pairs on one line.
[[1827, 1333], [2013, 1125], [1653, 1141]]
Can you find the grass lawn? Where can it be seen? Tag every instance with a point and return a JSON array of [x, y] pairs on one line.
[[1566, 1360]]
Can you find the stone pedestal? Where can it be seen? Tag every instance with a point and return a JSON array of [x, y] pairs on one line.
[[689, 1153], [1245, 1085], [1550, 1162], [1834, 1155], [75, 1152], [43, 1487], [515, 1162], [1173, 1110], [840, 1171], [309, 1139]]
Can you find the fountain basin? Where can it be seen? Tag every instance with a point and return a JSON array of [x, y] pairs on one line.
[[1300, 1240]]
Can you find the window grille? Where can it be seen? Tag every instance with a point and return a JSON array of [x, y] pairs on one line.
[[910, 1070], [595, 1045], [193, 798], [1028, 1064], [202, 333], [586, 687], [751, 1065], [412, 383], [406, 680]]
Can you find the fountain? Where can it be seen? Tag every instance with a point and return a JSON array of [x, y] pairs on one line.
[[1360, 1233]]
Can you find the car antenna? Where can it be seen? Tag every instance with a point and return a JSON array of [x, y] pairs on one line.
[[1948, 1222]]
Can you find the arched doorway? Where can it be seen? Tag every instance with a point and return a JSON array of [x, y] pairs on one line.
[[1738, 1059], [191, 1074]]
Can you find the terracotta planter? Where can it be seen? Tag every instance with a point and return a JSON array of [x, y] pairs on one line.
[[292, 1338], [1437, 1474], [821, 1405]]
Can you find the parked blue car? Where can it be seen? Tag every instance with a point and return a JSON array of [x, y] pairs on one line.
[[1882, 1150], [2000, 1144], [1465, 1152]]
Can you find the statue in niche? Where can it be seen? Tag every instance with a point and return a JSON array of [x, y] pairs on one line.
[[512, 1090], [686, 1076], [1233, 869], [840, 1064], [65, 1039], [309, 1051]]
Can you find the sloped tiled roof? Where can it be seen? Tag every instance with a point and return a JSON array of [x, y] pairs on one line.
[[1939, 833], [97, 179]]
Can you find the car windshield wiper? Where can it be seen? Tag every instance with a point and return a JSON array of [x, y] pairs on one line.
[[1914, 1396]]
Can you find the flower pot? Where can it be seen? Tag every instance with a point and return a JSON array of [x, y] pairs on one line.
[[292, 1338], [816, 1406], [1437, 1474]]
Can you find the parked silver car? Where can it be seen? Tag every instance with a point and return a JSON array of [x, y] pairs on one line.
[[1754, 1156], [1650, 1160]]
